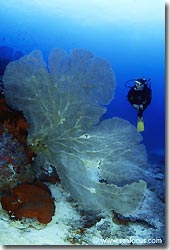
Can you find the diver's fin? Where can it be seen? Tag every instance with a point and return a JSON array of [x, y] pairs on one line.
[[140, 125]]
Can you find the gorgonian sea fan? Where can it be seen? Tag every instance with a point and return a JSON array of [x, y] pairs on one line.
[[101, 166]]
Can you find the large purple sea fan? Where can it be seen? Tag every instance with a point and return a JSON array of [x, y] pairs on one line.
[[101, 166]]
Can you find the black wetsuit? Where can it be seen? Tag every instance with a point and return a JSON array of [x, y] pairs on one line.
[[140, 98]]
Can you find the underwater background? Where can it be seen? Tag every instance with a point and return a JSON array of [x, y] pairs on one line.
[[129, 34], [79, 166]]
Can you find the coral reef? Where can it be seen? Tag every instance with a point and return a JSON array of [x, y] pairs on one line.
[[70, 226], [47, 173], [15, 155], [103, 166], [25, 200], [155, 175], [30, 201], [14, 163], [12, 120]]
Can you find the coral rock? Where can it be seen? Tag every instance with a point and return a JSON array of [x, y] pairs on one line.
[[12, 121], [15, 167], [15, 155], [30, 201]]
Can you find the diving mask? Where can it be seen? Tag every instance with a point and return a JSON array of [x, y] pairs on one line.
[[138, 84]]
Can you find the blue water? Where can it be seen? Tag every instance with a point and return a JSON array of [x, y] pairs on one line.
[[130, 34]]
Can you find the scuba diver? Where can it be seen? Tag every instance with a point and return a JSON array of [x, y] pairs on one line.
[[140, 96]]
